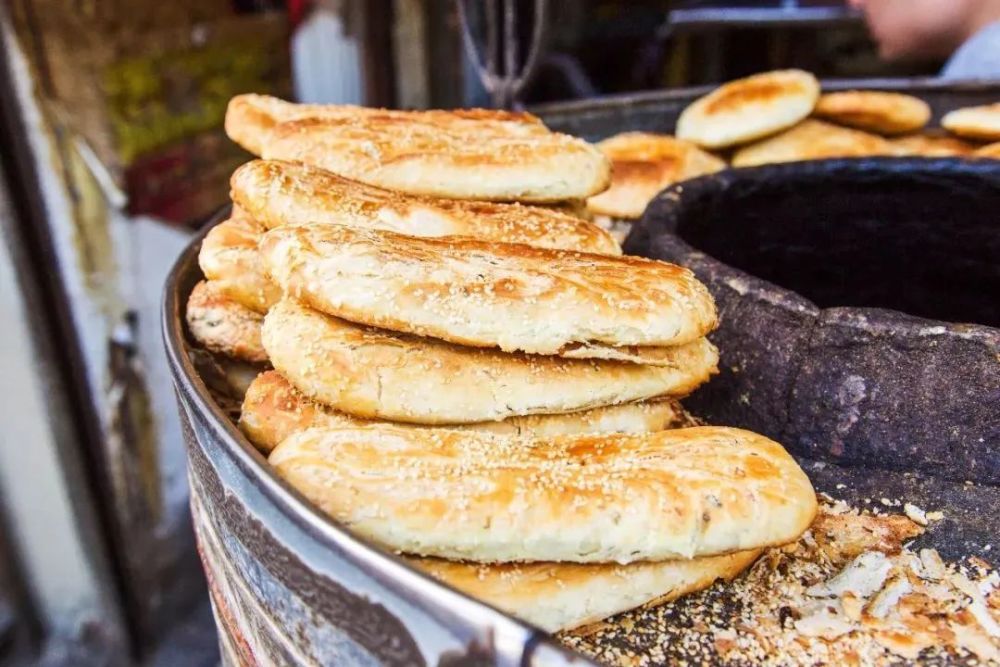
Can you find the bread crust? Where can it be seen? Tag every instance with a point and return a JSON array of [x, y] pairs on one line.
[[644, 163], [373, 373], [875, 111], [469, 292], [273, 409], [989, 151], [461, 495], [222, 325], [749, 108], [812, 140], [229, 258], [278, 193], [928, 144], [562, 596], [980, 123]]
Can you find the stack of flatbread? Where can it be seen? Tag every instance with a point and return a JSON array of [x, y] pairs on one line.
[[780, 116], [487, 388]]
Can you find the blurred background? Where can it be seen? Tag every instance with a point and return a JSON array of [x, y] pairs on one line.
[[113, 155]]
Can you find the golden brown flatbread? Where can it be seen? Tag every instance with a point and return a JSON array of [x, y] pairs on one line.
[[461, 495], [229, 258], [932, 144], [812, 140], [750, 108], [642, 165], [561, 596], [273, 409], [278, 193], [378, 374], [468, 292], [222, 325], [875, 111], [989, 151], [980, 123]]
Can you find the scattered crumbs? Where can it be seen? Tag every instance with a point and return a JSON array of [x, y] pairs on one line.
[[849, 592], [915, 514]]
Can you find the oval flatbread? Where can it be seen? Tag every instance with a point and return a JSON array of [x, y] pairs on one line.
[[642, 164], [378, 374], [468, 292], [222, 325], [278, 193], [273, 410], [989, 151], [229, 258], [928, 144], [562, 596], [980, 123], [812, 140], [750, 108], [463, 495], [875, 111]]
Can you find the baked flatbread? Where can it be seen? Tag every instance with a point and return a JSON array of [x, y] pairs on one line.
[[928, 144], [229, 258], [642, 165], [875, 111], [222, 325], [750, 108], [280, 193], [273, 410], [514, 297], [379, 374], [980, 123], [561, 596], [250, 118], [461, 154], [461, 495], [812, 140], [990, 151]]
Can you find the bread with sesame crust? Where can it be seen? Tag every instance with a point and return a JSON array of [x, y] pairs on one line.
[[749, 108], [223, 325], [515, 297], [250, 118], [812, 140], [562, 596], [278, 193], [875, 110], [273, 410], [461, 495], [373, 373], [229, 258]]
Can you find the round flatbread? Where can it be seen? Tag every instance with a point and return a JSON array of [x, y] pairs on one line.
[[750, 108], [229, 258], [989, 151], [642, 164], [979, 123], [812, 140], [875, 111], [223, 325]]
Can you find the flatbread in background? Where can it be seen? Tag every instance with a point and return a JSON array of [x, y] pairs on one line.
[[812, 140], [461, 495], [643, 164], [379, 374], [989, 151], [750, 108], [980, 123], [278, 193], [874, 111], [468, 292], [273, 409], [562, 596], [932, 144], [222, 325], [229, 258]]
